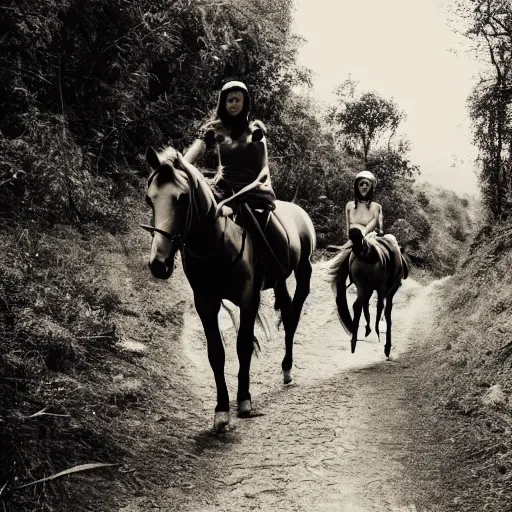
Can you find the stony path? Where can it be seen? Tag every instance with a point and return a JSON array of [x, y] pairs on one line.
[[340, 438]]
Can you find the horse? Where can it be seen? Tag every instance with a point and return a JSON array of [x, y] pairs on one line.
[[375, 265], [221, 260]]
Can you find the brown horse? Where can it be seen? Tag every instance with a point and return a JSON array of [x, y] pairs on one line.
[[220, 262], [374, 265]]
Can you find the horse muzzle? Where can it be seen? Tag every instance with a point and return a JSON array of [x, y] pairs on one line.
[[161, 265], [161, 268]]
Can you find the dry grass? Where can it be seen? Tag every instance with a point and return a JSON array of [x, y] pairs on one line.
[[444, 222], [469, 360], [70, 391]]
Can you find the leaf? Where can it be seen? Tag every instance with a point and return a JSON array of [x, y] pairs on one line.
[[43, 412], [75, 469]]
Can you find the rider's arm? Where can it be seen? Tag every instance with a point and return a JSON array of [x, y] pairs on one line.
[[258, 132], [264, 176], [205, 139], [347, 216], [380, 223], [197, 148], [372, 224]]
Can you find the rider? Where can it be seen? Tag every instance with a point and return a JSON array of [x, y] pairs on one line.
[[242, 160], [362, 213]]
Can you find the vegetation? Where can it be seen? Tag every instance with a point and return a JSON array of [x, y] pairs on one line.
[[468, 354], [83, 89], [468, 358]]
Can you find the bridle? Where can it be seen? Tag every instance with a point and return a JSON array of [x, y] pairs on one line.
[[179, 239]]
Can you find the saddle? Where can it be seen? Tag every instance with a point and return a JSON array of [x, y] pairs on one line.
[[255, 214], [268, 234]]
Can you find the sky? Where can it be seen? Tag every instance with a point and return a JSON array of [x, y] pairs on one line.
[[405, 50]]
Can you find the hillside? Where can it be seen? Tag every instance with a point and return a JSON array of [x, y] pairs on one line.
[[435, 228], [468, 361]]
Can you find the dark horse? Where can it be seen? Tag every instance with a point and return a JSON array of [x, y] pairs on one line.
[[374, 265], [220, 262]]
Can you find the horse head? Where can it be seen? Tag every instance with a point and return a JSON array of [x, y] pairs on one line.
[[175, 203], [359, 244], [366, 250]]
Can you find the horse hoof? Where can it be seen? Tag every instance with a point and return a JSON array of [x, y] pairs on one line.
[[387, 350], [368, 331], [353, 346], [244, 409], [287, 376], [221, 421]]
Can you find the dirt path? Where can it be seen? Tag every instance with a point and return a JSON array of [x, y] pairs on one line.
[[344, 436]]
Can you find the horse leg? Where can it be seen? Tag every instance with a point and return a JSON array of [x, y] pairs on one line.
[[208, 313], [358, 307], [291, 310], [284, 304], [244, 348], [366, 311], [387, 316], [380, 307]]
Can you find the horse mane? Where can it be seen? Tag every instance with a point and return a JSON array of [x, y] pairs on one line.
[[195, 177]]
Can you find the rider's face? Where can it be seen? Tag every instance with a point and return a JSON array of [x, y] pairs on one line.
[[364, 187], [234, 103]]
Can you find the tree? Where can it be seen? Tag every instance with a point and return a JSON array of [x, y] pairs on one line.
[[363, 120], [489, 27]]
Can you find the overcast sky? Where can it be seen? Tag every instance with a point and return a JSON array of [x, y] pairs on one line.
[[405, 50]]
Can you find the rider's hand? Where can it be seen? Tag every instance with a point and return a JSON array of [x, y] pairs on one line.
[[257, 135], [209, 137], [226, 211]]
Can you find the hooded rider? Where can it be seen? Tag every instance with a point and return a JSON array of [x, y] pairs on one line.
[[242, 160]]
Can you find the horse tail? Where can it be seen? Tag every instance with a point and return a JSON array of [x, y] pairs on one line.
[[340, 292], [261, 320], [339, 263], [277, 307], [263, 323], [405, 265], [231, 313]]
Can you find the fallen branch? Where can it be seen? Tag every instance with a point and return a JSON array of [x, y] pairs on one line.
[[75, 469]]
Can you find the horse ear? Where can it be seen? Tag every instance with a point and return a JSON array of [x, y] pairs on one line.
[[189, 169], [152, 157]]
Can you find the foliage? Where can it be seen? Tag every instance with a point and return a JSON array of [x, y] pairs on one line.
[[84, 88], [469, 363], [363, 119]]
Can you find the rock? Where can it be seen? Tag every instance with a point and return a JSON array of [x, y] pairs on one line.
[[495, 396]]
